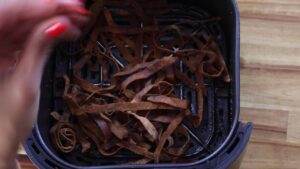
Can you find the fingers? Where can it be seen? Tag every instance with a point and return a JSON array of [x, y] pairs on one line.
[[38, 10], [18, 18], [45, 9], [30, 68]]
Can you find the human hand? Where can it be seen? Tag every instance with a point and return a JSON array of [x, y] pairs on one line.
[[28, 30]]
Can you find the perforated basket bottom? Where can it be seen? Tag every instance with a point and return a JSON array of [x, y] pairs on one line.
[[206, 139]]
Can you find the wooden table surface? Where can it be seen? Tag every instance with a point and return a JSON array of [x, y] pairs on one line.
[[270, 82]]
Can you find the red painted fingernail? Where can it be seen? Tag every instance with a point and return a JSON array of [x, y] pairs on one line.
[[56, 30], [80, 10]]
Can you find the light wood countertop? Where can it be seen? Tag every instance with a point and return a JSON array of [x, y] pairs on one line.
[[270, 82]]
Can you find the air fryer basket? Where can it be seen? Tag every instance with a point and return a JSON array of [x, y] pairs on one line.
[[220, 121]]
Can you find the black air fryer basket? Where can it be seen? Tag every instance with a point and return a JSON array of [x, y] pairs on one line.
[[218, 143]]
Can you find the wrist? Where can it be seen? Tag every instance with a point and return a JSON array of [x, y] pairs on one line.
[[9, 143]]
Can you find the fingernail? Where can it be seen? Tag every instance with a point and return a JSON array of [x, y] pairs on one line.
[[80, 10], [56, 30]]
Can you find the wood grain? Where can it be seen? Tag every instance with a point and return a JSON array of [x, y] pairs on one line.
[[262, 121], [271, 155], [270, 44], [274, 88], [287, 10], [270, 82], [25, 163]]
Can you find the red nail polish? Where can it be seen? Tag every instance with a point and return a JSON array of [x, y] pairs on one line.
[[81, 10], [56, 30]]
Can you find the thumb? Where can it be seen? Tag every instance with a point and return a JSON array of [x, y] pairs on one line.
[[30, 68]]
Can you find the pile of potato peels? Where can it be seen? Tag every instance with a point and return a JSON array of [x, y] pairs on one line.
[[138, 50]]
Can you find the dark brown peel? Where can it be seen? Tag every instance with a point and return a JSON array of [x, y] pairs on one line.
[[170, 101], [124, 90], [153, 68], [171, 128], [124, 106]]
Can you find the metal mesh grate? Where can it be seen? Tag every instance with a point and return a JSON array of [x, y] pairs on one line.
[[218, 104]]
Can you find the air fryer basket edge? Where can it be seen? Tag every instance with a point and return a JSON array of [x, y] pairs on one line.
[[233, 37]]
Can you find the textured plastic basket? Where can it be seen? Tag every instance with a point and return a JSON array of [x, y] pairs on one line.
[[217, 143]]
